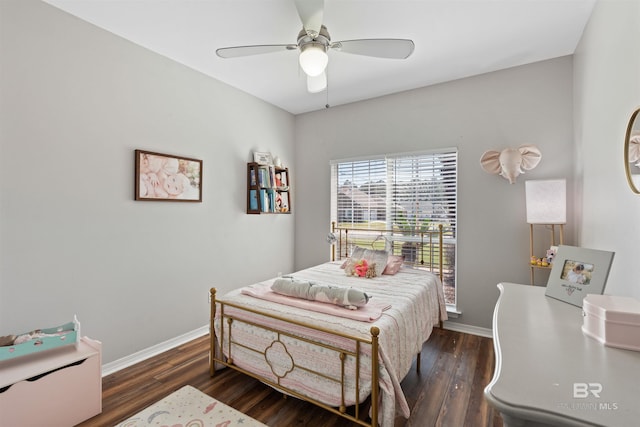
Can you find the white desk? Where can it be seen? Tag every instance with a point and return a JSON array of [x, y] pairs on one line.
[[548, 372]]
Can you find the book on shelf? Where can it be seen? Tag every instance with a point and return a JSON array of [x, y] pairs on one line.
[[263, 177], [260, 178], [284, 201], [253, 200], [272, 201], [253, 177], [264, 200], [280, 179], [272, 176]]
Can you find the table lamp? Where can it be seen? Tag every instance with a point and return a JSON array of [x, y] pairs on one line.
[[546, 201]]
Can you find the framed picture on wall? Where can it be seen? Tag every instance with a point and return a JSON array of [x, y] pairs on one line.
[[262, 158], [577, 272], [164, 177]]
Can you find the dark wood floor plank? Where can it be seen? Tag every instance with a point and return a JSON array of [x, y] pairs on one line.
[[454, 407], [478, 412], [434, 390], [413, 384], [270, 407], [448, 360]]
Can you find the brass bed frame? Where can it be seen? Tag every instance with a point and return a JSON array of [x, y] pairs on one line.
[[431, 240]]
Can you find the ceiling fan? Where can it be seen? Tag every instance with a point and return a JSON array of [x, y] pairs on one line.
[[314, 42]]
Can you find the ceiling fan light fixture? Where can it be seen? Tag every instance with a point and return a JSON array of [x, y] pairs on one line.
[[317, 83], [313, 58]]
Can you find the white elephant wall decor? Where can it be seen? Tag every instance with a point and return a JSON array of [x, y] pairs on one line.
[[511, 162]]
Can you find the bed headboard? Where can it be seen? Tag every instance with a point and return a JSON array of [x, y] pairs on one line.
[[420, 248]]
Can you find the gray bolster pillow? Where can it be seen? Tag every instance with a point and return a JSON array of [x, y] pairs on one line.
[[346, 297]]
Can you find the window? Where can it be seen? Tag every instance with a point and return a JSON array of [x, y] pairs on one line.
[[407, 193]]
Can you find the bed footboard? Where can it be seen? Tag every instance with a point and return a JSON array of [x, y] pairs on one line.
[[281, 348]]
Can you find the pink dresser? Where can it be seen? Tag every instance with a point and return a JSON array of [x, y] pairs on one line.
[[59, 387]]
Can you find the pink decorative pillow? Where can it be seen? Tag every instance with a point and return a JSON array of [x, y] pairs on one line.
[[394, 263]]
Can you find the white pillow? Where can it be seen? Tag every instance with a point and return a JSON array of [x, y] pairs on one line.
[[358, 252]]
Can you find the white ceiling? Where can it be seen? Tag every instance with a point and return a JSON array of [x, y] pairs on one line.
[[453, 39]]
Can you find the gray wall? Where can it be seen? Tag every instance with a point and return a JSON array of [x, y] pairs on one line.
[[75, 101], [524, 105], [607, 89]]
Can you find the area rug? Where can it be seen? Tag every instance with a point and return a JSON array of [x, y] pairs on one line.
[[189, 407]]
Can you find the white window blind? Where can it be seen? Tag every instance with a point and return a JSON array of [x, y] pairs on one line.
[[408, 193], [423, 190]]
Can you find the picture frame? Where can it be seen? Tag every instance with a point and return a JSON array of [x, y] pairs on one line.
[[262, 158], [166, 177], [577, 272]]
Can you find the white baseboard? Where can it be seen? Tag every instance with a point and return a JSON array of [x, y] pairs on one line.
[[116, 365], [468, 329]]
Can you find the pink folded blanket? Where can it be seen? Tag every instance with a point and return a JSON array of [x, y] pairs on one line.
[[369, 313]]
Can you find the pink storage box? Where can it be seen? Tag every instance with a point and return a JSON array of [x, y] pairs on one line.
[[612, 320]]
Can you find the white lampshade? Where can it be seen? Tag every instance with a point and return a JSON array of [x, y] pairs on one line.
[[317, 83], [546, 201], [313, 59]]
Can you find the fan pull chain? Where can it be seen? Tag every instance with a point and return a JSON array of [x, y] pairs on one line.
[[326, 105]]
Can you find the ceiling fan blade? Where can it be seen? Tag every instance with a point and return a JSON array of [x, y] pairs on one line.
[[380, 48], [233, 52], [311, 14]]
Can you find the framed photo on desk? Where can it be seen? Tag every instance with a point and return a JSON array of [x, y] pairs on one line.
[[577, 272]]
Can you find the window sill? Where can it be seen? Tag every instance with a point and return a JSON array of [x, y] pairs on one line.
[[453, 312]]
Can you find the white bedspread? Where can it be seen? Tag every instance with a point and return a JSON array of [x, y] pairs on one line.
[[416, 305]]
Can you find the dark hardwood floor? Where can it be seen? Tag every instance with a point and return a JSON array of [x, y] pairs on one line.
[[448, 390]]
